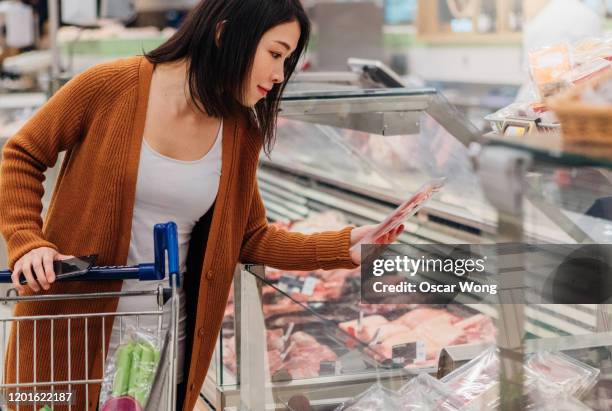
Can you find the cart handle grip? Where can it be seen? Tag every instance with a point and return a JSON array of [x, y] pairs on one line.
[[142, 272], [165, 240]]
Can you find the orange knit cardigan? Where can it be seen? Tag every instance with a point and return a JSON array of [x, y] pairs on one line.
[[98, 119]]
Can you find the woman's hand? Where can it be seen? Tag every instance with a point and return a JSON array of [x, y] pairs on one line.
[[359, 232], [37, 267]]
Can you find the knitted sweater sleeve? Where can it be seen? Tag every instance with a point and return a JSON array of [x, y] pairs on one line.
[[274, 247], [55, 127]]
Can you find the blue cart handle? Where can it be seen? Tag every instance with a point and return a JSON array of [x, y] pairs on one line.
[[165, 241]]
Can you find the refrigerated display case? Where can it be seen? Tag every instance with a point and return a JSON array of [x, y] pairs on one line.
[[354, 156]]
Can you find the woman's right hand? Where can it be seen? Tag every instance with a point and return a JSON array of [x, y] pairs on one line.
[[37, 267]]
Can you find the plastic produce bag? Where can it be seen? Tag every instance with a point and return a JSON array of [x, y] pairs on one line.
[[423, 393], [376, 397], [130, 372]]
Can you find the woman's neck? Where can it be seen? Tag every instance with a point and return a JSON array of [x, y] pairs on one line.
[[172, 86]]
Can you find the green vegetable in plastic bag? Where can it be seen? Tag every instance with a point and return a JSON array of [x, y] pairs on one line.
[[135, 370], [124, 365]]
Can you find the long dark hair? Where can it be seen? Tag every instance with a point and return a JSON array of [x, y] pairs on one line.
[[218, 74]]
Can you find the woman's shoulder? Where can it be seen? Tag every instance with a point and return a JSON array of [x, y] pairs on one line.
[[117, 75]]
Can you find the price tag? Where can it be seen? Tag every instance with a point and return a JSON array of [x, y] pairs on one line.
[[409, 352], [327, 368]]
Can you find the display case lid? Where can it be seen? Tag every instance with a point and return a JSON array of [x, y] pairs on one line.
[[383, 144], [377, 111]]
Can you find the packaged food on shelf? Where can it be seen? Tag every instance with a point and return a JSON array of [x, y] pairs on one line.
[[561, 71], [592, 48], [547, 375], [572, 376], [519, 125], [587, 71], [548, 67], [556, 68], [475, 381]]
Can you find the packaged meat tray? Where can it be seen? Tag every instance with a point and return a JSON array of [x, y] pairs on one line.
[[572, 376], [404, 211], [476, 381], [376, 397], [547, 375]]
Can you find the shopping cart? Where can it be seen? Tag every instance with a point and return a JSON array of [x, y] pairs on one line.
[[165, 243]]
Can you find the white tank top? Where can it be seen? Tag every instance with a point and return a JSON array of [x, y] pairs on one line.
[[166, 190], [171, 190]]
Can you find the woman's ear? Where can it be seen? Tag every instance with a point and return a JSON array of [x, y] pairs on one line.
[[219, 32]]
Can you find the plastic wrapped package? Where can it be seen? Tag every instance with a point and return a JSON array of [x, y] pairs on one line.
[[130, 372], [556, 68], [548, 375], [403, 212], [522, 110], [376, 397], [600, 95], [547, 396], [548, 66], [592, 48], [587, 71], [476, 381], [423, 393], [573, 377]]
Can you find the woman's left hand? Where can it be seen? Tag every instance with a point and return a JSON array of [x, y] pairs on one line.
[[359, 232]]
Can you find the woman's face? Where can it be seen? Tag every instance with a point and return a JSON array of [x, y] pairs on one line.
[[275, 46]]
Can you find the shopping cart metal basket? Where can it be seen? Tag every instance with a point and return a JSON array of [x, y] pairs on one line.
[[30, 394]]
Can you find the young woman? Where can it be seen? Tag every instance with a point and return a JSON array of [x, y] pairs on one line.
[[173, 135]]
